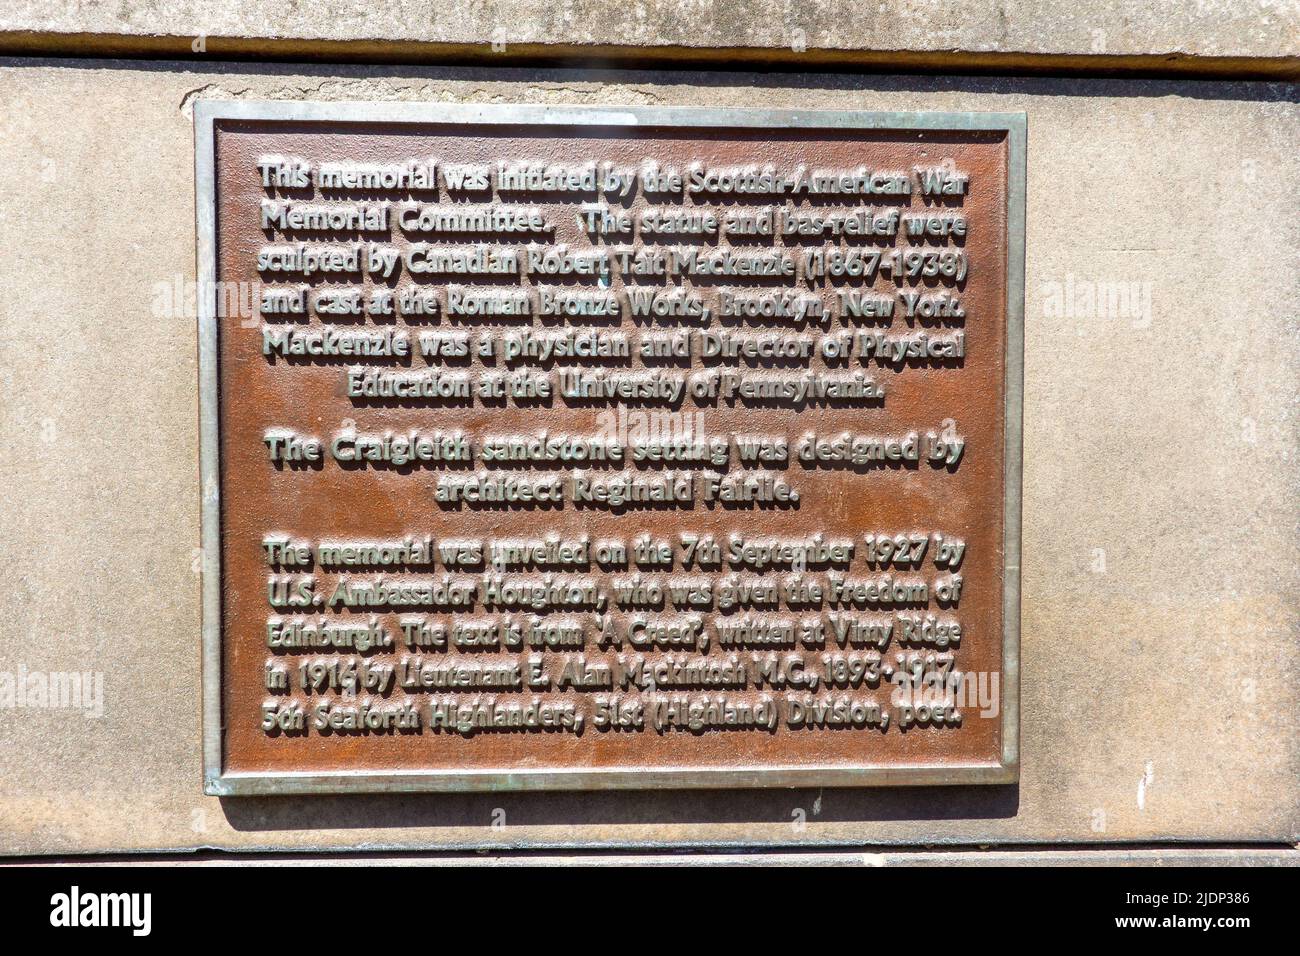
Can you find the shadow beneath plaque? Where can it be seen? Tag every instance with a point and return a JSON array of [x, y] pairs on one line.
[[613, 808]]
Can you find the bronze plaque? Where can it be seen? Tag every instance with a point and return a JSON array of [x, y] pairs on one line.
[[577, 448]]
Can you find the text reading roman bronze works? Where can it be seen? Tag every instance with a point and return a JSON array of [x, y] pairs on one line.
[[587, 448]]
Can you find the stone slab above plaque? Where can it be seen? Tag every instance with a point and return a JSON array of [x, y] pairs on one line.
[[567, 448]]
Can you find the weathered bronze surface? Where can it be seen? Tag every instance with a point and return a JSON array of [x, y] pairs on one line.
[[936, 399]]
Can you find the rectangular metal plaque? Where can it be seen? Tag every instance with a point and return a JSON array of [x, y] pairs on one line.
[[592, 447]]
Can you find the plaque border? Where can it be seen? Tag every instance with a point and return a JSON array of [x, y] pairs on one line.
[[217, 782]]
